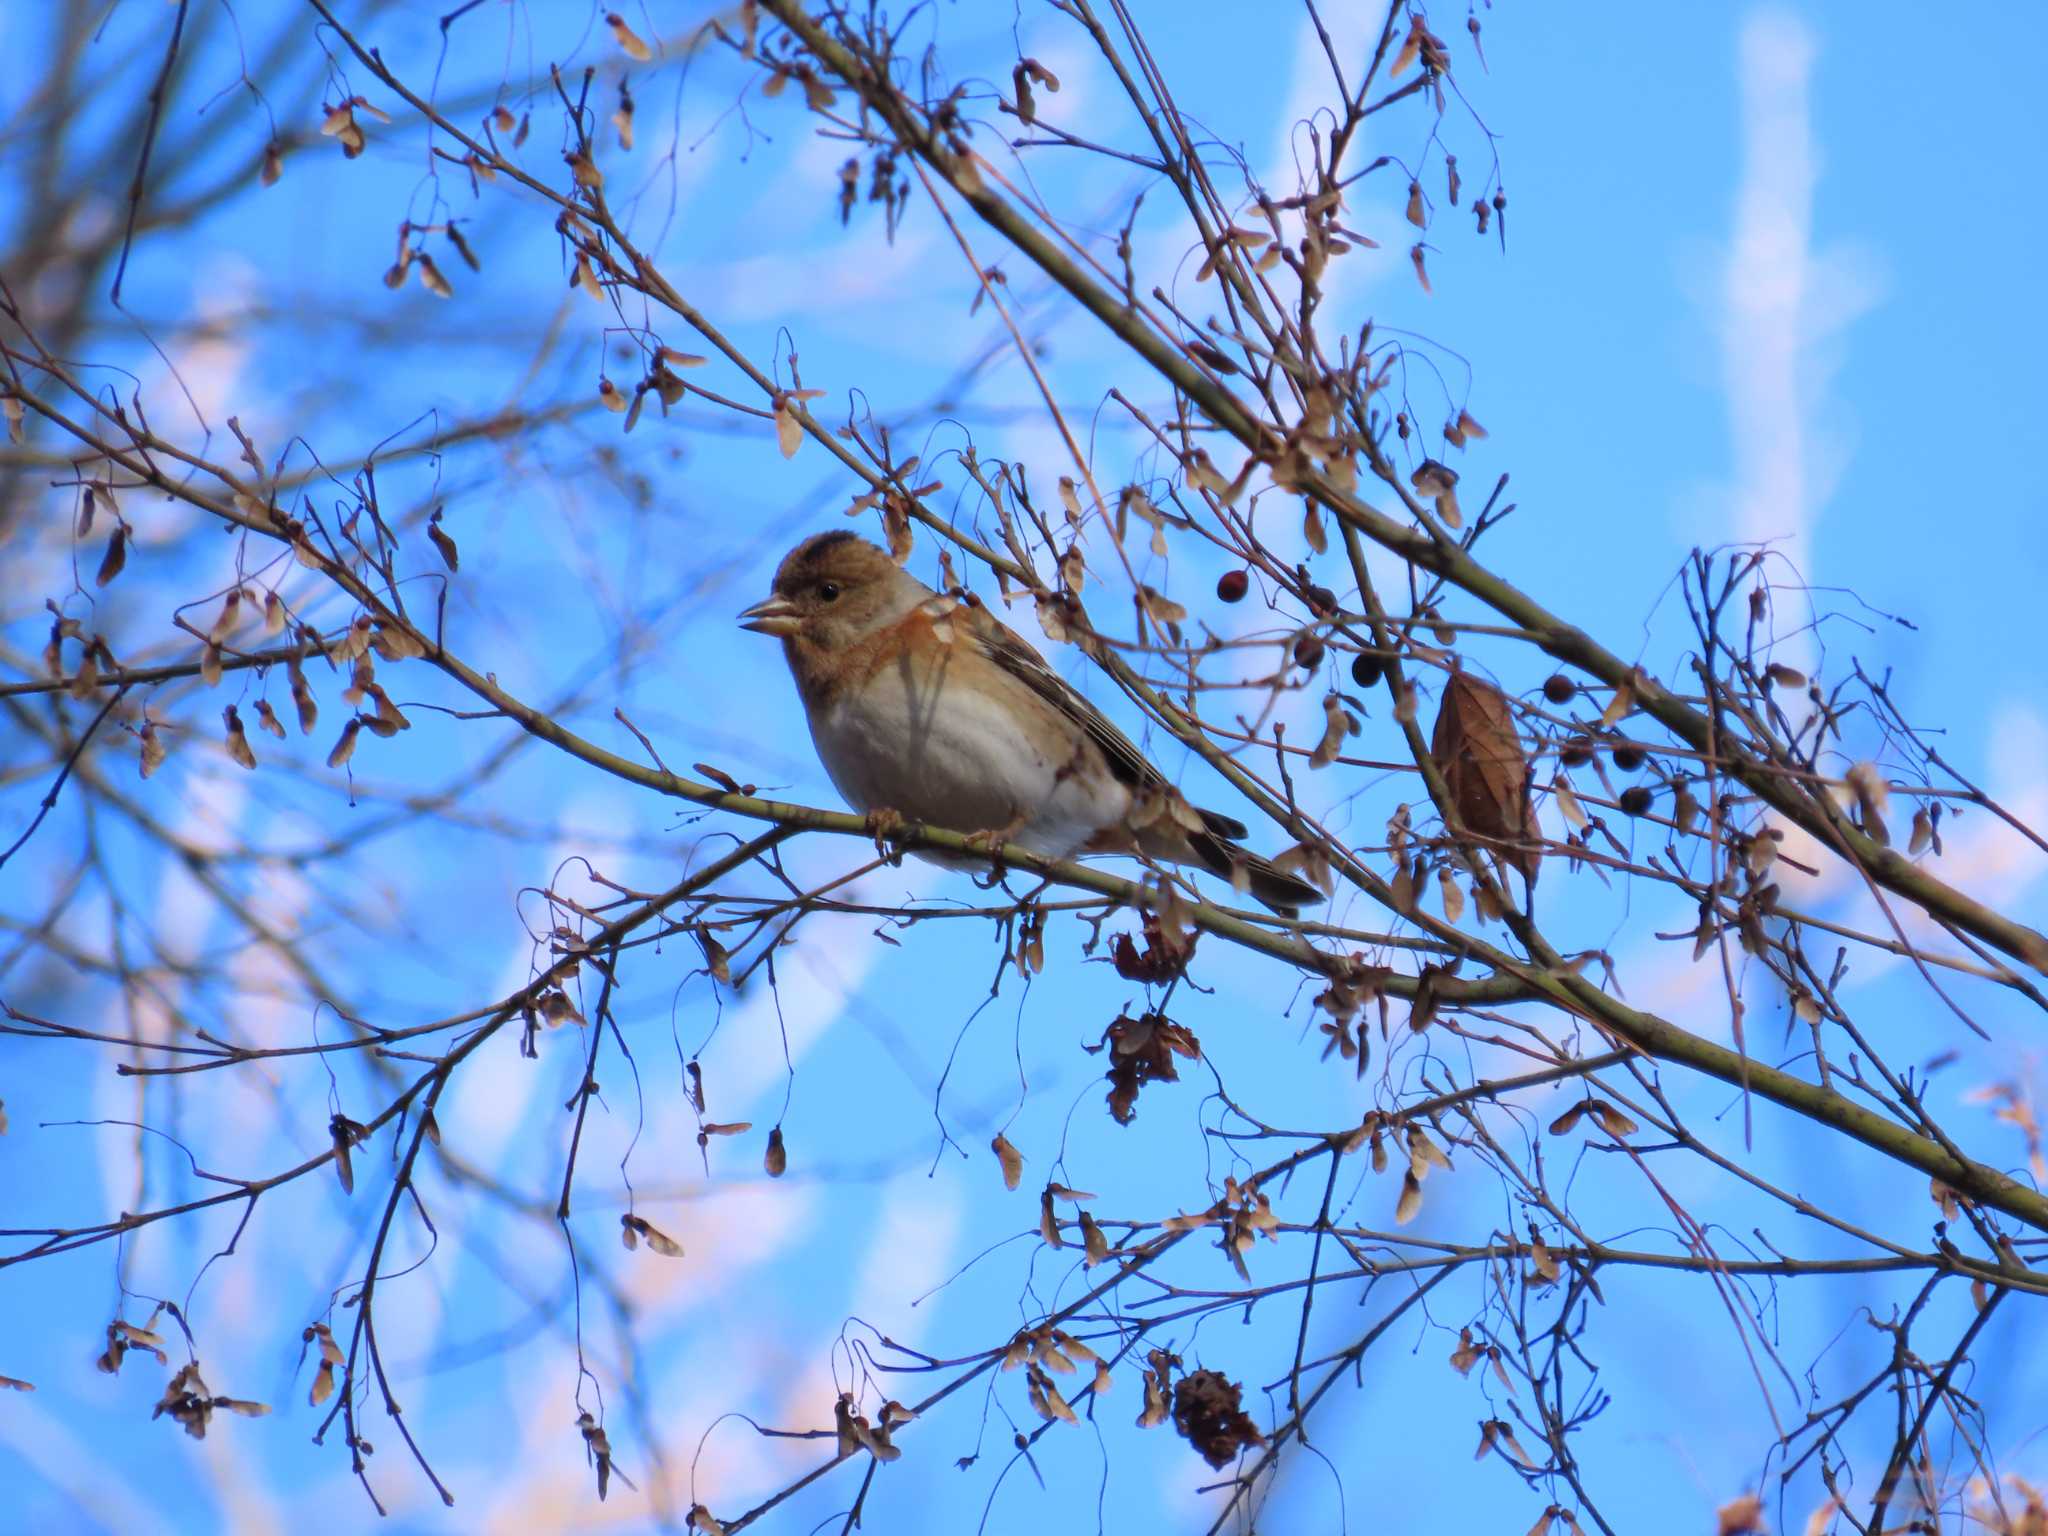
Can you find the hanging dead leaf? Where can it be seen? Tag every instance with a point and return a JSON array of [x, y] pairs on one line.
[[1208, 1411], [1480, 756]]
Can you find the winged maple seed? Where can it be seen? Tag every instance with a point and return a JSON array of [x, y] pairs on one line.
[[1011, 1159], [1093, 1242], [635, 1229], [629, 41], [122, 1337], [189, 1403], [598, 1449], [1742, 1517], [1479, 753], [1048, 1220]]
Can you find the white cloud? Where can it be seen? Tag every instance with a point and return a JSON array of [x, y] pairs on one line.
[[1781, 302]]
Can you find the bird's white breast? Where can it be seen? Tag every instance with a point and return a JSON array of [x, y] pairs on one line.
[[968, 760]]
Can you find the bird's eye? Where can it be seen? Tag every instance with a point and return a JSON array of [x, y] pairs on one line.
[[828, 591]]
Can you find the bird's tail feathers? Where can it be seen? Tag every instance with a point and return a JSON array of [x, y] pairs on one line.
[[1268, 884]]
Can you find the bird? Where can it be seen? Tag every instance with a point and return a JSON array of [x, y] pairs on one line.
[[927, 707]]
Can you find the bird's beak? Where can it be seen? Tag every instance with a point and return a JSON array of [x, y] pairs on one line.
[[772, 616]]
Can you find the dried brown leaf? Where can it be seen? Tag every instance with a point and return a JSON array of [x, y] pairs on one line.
[[1479, 753]]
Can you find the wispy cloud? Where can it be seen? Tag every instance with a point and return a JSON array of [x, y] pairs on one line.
[[1767, 282], [1781, 301]]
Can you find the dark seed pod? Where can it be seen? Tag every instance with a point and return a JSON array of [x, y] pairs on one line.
[[1308, 652], [1628, 759], [1366, 670], [1559, 689], [1576, 753], [1231, 586], [1635, 800], [1322, 601]]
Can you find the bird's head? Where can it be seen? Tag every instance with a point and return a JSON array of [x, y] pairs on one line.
[[833, 591]]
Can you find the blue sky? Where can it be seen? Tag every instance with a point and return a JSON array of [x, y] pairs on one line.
[[1770, 272]]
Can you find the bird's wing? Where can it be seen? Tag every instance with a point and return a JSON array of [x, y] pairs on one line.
[[1010, 651]]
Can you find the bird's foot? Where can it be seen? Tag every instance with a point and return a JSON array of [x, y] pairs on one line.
[[990, 843], [990, 840], [886, 828]]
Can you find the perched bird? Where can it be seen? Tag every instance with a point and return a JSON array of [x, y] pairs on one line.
[[931, 708]]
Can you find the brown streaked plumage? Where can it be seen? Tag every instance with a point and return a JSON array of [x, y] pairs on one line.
[[934, 709]]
